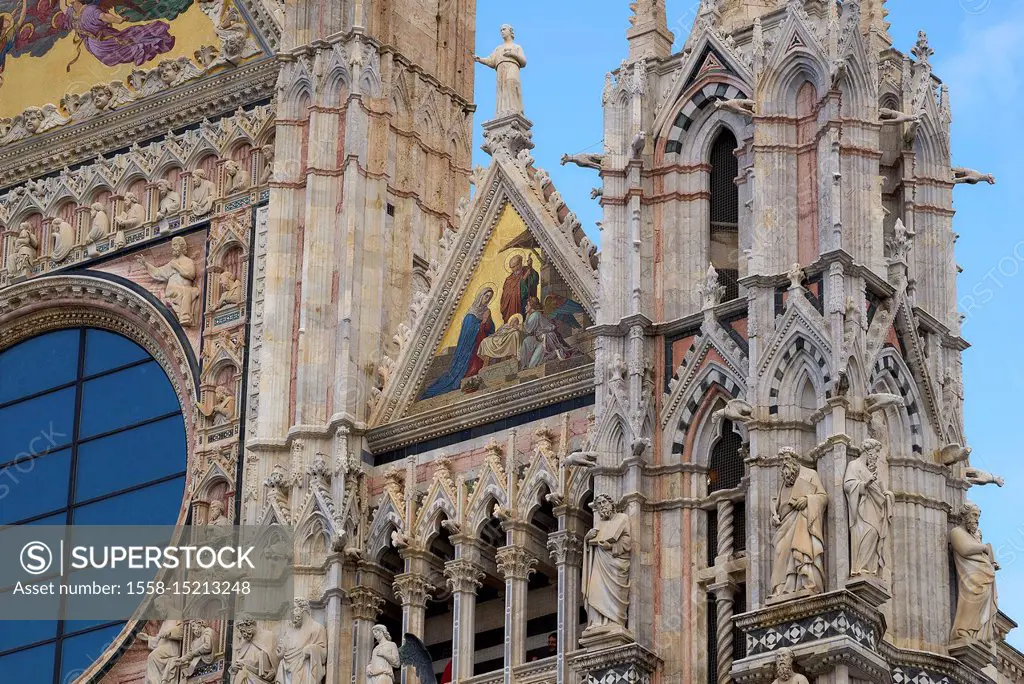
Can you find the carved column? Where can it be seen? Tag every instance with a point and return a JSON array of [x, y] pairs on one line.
[[567, 552], [725, 596], [366, 606], [413, 590], [515, 565], [726, 536], [464, 577]]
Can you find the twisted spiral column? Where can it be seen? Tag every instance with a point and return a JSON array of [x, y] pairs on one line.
[[726, 538], [724, 598]]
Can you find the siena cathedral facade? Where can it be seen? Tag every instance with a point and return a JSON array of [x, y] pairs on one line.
[[727, 447]]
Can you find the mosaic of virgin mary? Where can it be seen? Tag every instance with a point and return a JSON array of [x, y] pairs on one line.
[[96, 26]]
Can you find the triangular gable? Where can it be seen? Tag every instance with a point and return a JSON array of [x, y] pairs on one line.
[[512, 221], [710, 59]]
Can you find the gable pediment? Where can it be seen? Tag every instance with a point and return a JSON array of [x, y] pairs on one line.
[[506, 318]]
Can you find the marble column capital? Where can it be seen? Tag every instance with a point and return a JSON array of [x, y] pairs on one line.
[[366, 603], [515, 562], [412, 589], [566, 548], [464, 576]]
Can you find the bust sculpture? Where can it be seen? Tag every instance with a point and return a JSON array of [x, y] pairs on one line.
[[799, 539], [507, 59], [230, 289], [26, 248], [784, 673], [63, 238], [606, 561]]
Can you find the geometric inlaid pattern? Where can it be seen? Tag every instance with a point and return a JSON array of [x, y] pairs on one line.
[[887, 366], [704, 96], [625, 673], [715, 377], [814, 628], [799, 344], [908, 675]]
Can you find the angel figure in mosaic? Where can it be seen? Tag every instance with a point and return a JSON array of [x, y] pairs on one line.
[[35, 27]]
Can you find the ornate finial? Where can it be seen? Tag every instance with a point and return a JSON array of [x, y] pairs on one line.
[[709, 289], [796, 277], [648, 35], [922, 51]]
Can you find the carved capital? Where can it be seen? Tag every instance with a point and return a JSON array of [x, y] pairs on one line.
[[566, 548], [514, 562], [366, 603], [412, 590], [464, 577]]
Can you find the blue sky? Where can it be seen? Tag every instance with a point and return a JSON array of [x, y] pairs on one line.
[[979, 52]]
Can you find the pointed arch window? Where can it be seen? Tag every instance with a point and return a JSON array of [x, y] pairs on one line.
[[725, 468], [724, 210]]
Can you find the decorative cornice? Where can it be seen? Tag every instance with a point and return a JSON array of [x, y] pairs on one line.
[[149, 118]]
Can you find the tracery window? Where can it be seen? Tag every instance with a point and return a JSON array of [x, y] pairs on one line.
[[724, 212], [91, 433]]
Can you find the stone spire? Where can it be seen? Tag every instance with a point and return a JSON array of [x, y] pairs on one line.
[[873, 23], [648, 36]]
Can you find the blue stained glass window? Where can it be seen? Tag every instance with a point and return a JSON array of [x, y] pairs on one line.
[[88, 407], [39, 364]]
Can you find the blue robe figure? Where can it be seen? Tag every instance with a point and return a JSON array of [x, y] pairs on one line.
[[476, 326]]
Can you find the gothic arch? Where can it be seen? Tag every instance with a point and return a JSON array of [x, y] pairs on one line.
[[892, 375], [386, 519], [801, 354], [690, 132], [783, 83], [714, 380]]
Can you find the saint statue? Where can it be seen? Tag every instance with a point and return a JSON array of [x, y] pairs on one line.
[[237, 178], [255, 659], [201, 197], [799, 539], [134, 214], [303, 649], [99, 224], [63, 238], [870, 509], [200, 648], [976, 566], [784, 673], [26, 249], [230, 289], [521, 284], [179, 274], [384, 659], [165, 645], [170, 200], [507, 59], [606, 561]]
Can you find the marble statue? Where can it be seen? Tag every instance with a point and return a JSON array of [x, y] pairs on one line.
[[179, 276], [236, 178], [255, 658], [799, 540], [201, 197], [507, 59], [784, 673], [99, 224], [971, 177], [586, 160], [267, 172], [26, 249], [870, 509], [164, 650], [302, 649], [224, 405], [170, 200], [606, 567], [976, 566], [230, 289], [134, 214], [63, 238], [200, 648], [384, 659], [217, 517]]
